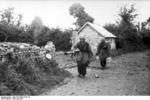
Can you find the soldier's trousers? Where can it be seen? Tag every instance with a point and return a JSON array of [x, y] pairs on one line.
[[103, 62], [81, 68]]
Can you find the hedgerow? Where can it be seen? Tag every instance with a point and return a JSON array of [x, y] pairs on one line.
[[26, 75]]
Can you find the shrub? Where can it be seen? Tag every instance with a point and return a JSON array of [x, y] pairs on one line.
[[61, 39], [29, 75]]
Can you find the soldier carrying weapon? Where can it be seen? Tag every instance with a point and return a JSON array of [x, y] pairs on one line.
[[83, 57]]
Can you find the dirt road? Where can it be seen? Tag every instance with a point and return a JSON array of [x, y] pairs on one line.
[[128, 74]]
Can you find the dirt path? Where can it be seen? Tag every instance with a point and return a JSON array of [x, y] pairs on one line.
[[125, 75]]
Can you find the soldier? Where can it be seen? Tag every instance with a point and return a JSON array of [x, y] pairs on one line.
[[103, 52], [83, 57]]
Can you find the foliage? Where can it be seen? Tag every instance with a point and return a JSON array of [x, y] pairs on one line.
[[127, 15], [7, 16], [61, 39], [13, 31], [126, 25], [27, 75], [129, 39], [77, 10], [37, 27], [145, 34]]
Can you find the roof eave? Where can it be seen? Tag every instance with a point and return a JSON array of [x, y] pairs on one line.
[[87, 23], [82, 28]]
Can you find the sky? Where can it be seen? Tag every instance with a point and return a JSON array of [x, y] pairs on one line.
[[55, 13]]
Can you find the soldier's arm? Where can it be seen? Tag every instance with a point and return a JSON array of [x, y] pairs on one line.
[[109, 50], [98, 49], [90, 51], [76, 46]]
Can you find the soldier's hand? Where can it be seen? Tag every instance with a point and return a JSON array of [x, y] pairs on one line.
[[97, 57]]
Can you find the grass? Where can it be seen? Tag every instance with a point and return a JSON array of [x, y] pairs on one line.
[[128, 48]]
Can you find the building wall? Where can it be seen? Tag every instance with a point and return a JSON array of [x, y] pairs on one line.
[[112, 43], [92, 37], [74, 38]]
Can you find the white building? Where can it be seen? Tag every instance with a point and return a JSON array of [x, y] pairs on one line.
[[93, 34]]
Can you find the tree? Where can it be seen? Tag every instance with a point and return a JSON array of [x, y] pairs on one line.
[[19, 20], [126, 25], [146, 24], [37, 26], [77, 11], [125, 29], [43, 38], [10, 25], [145, 31], [127, 15], [7, 16]]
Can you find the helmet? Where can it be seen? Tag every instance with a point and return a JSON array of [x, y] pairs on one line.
[[82, 38]]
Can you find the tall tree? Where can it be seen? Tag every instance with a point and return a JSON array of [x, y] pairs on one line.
[[77, 10], [7, 16], [19, 20], [146, 24], [128, 15], [36, 26], [126, 24], [125, 29], [10, 24]]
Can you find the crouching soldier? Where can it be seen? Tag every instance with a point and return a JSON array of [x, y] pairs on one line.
[[103, 53], [83, 57]]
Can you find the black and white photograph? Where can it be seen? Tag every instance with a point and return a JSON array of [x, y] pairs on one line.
[[74, 48]]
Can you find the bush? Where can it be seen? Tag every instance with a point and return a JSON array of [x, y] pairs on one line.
[[128, 39], [29, 76], [61, 39], [145, 34]]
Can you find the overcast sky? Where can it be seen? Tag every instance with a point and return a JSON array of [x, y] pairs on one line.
[[56, 13]]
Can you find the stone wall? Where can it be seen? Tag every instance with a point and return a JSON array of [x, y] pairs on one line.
[[23, 49]]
